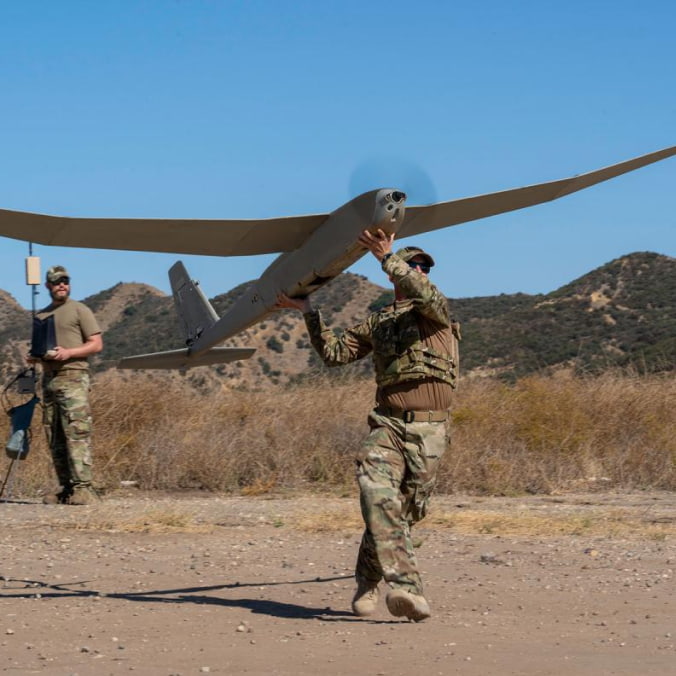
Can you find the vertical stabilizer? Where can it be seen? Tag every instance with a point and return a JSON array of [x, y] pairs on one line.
[[194, 310], [196, 316]]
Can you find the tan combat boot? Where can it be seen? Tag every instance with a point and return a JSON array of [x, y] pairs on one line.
[[366, 597], [82, 495], [60, 498], [403, 603]]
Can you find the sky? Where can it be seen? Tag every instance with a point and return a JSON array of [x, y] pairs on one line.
[[262, 108]]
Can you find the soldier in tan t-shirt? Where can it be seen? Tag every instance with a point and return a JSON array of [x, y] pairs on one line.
[[414, 348], [65, 388]]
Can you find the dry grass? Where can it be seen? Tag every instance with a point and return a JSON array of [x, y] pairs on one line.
[[544, 435], [507, 519], [541, 435], [600, 522], [150, 520], [597, 523]]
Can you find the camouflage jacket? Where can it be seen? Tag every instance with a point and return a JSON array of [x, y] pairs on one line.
[[394, 333]]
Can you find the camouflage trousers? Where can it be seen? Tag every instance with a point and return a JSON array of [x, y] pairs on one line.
[[396, 472], [68, 423]]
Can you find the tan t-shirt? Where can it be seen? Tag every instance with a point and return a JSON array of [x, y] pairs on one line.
[[74, 323]]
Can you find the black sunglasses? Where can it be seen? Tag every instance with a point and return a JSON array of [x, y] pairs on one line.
[[61, 280], [423, 267]]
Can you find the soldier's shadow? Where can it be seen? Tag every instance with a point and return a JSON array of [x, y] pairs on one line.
[[275, 608], [195, 595]]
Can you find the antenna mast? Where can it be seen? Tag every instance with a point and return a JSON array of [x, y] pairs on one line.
[[32, 274]]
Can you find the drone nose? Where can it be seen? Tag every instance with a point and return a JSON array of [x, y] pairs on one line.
[[398, 196]]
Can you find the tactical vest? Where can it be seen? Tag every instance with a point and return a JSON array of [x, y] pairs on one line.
[[400, 355]]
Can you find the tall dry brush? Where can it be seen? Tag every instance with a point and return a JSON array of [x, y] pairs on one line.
[[539, 435]]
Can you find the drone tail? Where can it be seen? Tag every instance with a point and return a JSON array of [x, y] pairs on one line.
[[196, 315]]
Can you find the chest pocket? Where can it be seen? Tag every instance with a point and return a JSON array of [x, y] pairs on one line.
[[400, 353], [393, 335]]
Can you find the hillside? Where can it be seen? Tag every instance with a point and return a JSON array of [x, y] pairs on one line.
[[15, 330], [620, 314]]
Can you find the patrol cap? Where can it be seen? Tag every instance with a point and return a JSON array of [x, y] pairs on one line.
[[56, 272], [409, 252]]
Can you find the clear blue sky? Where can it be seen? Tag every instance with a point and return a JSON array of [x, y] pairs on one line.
[[260, 108]]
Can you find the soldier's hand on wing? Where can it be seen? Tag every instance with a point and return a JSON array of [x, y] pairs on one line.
[[301, 304], [379, 244]]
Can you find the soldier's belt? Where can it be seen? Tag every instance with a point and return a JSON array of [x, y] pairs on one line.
[[73, 374], [413, 416]]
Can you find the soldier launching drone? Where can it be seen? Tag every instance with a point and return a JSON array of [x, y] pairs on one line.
[[414, 346]]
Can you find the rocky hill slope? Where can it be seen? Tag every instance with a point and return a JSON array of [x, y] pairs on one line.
[[620, 314]]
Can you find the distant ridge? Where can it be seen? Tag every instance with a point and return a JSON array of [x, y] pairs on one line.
[[621, 314]]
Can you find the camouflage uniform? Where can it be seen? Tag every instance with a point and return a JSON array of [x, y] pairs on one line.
[[68, 423], [397, 464]]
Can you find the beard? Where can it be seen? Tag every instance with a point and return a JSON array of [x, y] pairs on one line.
[[59, 296]]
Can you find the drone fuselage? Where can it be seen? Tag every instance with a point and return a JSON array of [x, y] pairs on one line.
[[330, 250]]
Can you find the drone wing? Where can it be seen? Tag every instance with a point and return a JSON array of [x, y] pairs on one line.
[[250, 237], [189, 236], [444, 214]]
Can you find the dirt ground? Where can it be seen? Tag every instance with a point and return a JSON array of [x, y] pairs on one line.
[[186, 584]]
